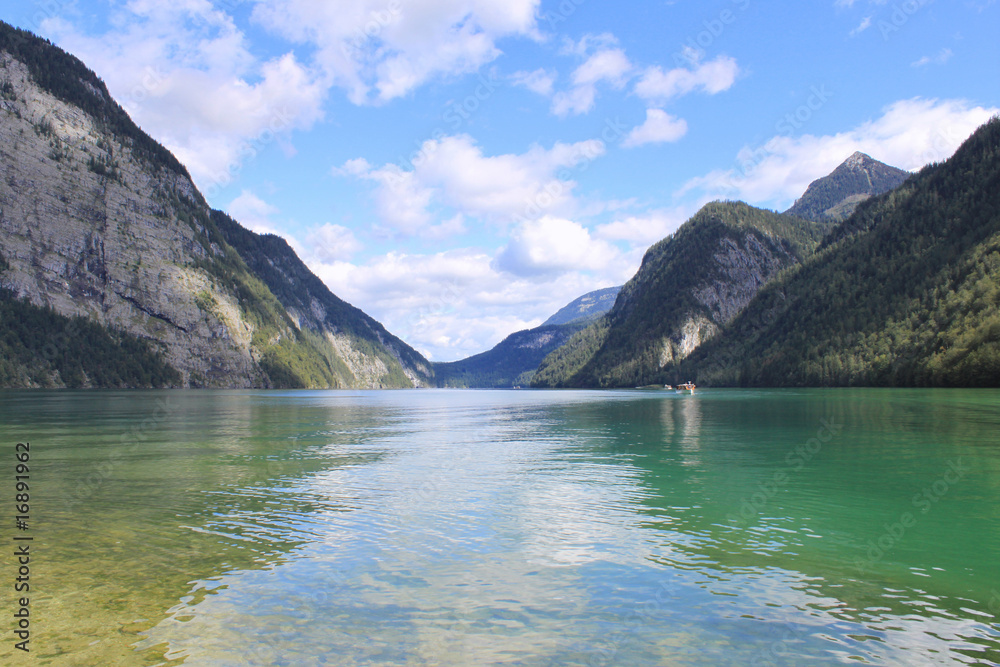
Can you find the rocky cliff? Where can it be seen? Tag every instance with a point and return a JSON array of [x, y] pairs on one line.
[[99, 221], [688, 287]]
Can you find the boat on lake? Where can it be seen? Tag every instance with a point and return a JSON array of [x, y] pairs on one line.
[[687, 387]]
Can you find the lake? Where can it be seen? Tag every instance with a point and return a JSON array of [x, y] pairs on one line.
[[447, 527]]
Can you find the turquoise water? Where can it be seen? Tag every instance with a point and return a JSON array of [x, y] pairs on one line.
[[520, 527]]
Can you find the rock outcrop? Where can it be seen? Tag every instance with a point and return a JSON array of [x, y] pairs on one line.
[[98, 220]]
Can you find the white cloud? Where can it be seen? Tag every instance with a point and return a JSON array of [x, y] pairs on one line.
[[551, 246], [184, 72], [710, 77], [331, 243], [454, 304], [252, 212], [540, 81], [908, 135], [943, 56], [866, 23], [642, 231], [660, 127], [607, 65], [453, 172], [379, 50]]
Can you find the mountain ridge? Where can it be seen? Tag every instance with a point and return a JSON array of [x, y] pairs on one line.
[[101, 222], [905, 292], [689, 285]]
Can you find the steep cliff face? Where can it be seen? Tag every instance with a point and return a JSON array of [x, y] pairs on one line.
[[688, 287], [99, 221]]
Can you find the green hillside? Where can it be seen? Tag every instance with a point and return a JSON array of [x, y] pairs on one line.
[[906, 292], [273, 261], [688, 286]]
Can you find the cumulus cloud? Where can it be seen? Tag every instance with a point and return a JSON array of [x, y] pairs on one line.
[[330, 243], [660, 127], [252, 212], [379, 50], [711, 77], [185, 73], [540, 81], [641, 231], [608, 64], [453, 304], [553, 245], [452, 173], [909, 134]]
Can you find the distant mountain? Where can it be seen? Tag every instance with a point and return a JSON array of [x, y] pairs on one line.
[[513, 361], [906, 292], [689, 286], [834, 197], [587, 308], [114, 272]]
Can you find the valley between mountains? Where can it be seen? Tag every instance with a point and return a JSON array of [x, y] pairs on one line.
[[115, 272]]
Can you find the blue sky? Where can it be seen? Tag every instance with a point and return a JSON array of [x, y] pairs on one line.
[[460, 169]]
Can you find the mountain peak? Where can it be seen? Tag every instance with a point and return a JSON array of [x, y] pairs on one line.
[[834, 197], [858, 160]]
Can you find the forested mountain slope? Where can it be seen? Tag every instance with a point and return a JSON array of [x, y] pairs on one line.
[[689, 286], [906, 292]]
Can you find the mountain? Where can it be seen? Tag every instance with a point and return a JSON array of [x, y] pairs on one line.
[[513, 361], [587, 308], [906, 292], [688, 287], [834, 197], [115, 272]]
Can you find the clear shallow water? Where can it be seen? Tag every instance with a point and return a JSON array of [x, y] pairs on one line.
[[529, 528]]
